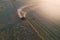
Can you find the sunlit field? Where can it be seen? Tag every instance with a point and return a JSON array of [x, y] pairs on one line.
[[42, 20]]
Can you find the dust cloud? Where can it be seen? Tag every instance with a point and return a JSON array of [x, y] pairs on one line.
[[49, 9]]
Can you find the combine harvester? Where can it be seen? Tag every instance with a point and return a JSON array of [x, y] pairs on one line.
[[23, 16]]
